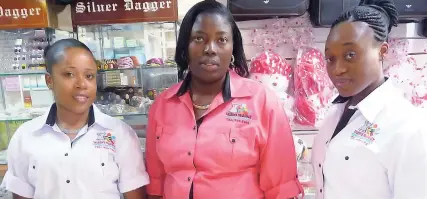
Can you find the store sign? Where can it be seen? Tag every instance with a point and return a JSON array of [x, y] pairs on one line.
[[89, 12], [23, 14]]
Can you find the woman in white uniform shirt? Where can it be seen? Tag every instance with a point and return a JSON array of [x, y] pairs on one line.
[[74, 151], [372, 145]]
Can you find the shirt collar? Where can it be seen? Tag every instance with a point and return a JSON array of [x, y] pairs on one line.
[[234, 86], [95, 116], [371, 106]]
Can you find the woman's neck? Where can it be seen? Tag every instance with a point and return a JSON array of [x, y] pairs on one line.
[[69, 120], [206, 89], [368, 90]]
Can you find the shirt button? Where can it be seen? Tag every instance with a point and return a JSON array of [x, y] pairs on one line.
[[194, 127], [320, 165], [346, 157], [158, 137], [189, 179], [68, 181], [34, 167], [233, 140], [66, 154], [102, 164], [189, 153], [321, 190]]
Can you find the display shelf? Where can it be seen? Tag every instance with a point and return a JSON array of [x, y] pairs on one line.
[[119, 69], [23, 72]]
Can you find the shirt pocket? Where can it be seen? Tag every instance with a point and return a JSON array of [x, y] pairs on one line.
[[166, 142], [109, 171], [33, 168], [244, 150]]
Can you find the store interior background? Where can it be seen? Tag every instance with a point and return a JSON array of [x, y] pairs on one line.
[[407, 34], [406, 39], [415, 45]]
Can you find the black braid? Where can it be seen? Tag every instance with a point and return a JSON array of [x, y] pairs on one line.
[[381, 15]]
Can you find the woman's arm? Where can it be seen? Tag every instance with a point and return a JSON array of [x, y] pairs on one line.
[[16, 177], [278, 168], [19, 197], [135, 194], [129, 157], [155, 197], [407, 164], [154, 165]]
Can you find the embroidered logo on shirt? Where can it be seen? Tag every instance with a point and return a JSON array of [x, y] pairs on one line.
[[239, 113], [105, 140], [366, 133]]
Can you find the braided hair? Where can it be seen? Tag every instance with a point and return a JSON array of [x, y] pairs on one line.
[[381, 15]]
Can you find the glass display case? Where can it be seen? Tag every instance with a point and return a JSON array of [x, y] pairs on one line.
[[135, 64], [24, 94]]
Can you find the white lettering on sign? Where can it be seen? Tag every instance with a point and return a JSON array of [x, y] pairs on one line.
[[19, 13], [130, 5], [94, 7]]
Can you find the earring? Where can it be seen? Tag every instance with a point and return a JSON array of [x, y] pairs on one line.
[[232, 60]]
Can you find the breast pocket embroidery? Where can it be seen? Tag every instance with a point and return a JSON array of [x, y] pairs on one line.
[[366, 133]]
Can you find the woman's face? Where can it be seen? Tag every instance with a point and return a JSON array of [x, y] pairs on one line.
[[210, 48], [353, 57], [73, 80]]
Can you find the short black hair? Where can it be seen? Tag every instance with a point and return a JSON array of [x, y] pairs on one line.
[[55, 52], [208, 7], [381, 15]]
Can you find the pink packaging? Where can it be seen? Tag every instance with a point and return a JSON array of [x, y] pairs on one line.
[[313, 88]]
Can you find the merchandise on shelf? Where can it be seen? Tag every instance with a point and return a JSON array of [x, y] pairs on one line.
[[313, 88], [275, 73]]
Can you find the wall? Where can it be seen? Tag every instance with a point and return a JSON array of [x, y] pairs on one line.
[[416, 47]]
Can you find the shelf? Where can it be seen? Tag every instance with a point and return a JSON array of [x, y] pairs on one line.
[[36, 89], [118, 69], [15, 118], [121, 116], [23, 72], [3, 169]]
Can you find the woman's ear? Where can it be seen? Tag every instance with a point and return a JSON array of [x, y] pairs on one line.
[[383, 50], [49, 80]]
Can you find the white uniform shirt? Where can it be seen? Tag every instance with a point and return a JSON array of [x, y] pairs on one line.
[[380, 154], [104, 160]]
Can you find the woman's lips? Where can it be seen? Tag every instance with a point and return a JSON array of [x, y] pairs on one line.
[[209, 67]]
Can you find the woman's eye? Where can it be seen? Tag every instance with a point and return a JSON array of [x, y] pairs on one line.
[[70, 74], [198, 39], [350, 55], [223, 40], [329, 60], [90, 76]]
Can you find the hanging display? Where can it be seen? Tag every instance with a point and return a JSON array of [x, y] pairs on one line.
[[313, 88], [275, 73]]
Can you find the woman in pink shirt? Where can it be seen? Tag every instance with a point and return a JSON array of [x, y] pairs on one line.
[[218, 134]]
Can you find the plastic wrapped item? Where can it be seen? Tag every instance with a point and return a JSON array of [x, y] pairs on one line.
[[157, 79], [313, 88], [301, 149], [411, 78], [155, 62], [128, 62], [275, 73]]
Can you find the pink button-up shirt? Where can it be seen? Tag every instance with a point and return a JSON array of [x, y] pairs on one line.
[[243, 149]]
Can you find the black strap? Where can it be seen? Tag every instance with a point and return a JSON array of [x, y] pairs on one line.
[[346, 116]]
